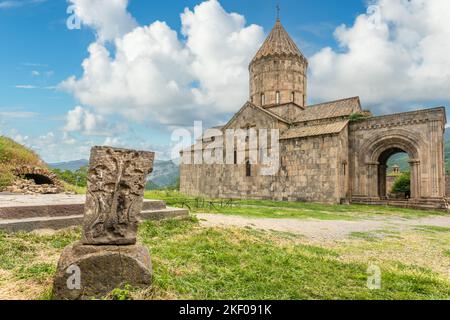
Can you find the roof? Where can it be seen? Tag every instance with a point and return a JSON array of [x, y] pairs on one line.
[[311, 131], [249, 104], [333, 109], [278, 42]]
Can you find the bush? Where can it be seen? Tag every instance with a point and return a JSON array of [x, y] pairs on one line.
[[355, 117], [77, 178], [402, 184]]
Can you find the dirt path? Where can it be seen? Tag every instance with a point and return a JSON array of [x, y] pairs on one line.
[[320, 229]]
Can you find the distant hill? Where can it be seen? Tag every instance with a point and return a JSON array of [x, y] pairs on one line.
[[165, 173], [13, 154], [70, 165]]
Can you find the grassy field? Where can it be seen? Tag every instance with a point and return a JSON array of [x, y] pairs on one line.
[[274, 209], [213, 263]]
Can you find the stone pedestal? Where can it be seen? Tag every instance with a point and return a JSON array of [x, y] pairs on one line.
[[87, 271]]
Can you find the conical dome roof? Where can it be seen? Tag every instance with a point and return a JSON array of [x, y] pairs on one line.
[[278, 43]]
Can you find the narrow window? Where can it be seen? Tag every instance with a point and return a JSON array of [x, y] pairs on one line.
[[235, 157], [248, 169], [293, 96], [278, 97], [263, 99]]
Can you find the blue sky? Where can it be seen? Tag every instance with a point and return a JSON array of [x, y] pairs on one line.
[[39, 53]]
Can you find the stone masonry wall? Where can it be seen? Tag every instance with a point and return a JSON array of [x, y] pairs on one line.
[[311, 170]]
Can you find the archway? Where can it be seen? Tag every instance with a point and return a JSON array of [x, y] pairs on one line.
[[377, 153], [393, 165], [38, 179]]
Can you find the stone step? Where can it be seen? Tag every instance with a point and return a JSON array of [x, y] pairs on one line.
[[30, 224], [16, 211], [167, 213], [53, 210], [153, 205], [61, 222], [420, 204]]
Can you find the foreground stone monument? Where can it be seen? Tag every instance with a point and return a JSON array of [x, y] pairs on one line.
[[108, 256]]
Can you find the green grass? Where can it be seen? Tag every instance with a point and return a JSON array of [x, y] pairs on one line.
[[190, 262], [433, 229], [298, 210], [246, 264]]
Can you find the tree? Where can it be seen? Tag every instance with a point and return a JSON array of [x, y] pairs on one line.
[[402, 184]]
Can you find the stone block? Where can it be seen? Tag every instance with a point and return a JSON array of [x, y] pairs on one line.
[[89, 271]]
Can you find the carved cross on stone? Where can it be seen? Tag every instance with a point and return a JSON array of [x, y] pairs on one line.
[[115, 192]]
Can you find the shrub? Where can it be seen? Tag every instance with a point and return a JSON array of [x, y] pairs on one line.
[[402, 184]]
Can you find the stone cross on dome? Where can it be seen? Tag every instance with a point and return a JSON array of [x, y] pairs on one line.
[[278, 11]]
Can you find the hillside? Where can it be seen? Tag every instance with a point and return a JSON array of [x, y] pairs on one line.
[[69, 165], [13, 154], [165, 173]]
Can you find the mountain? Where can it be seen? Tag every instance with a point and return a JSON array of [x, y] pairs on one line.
[[70, 165], [165, 173]]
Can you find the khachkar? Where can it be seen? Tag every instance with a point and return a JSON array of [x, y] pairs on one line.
[[108, 256]]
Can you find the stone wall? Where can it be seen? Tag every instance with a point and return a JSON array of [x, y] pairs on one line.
[[311, 170], [285, 75], [447, 185]]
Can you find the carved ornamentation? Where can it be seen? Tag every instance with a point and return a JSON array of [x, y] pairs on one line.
[[116, 184]]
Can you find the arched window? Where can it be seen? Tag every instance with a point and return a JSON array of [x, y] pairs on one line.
[[248, 169], [263, 99], [278, 97]]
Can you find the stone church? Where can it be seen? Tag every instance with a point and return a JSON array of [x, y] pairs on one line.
[[332, 152]]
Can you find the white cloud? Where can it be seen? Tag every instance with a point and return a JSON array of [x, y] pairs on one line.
[[109, 18], [17, 114], [394, 55], [87, 123], [8, 4], [25, 86], [157, 78]]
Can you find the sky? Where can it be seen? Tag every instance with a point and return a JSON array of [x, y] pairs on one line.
[[79, 73]]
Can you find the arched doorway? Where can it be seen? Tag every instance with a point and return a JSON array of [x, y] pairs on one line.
[[38, 179], [379, 151], [389, 172]]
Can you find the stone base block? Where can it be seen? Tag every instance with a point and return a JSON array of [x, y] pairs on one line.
[[87, 271]]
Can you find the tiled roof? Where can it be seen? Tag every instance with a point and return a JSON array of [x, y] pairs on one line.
[[278, 42], [333, 109], [311, 131]]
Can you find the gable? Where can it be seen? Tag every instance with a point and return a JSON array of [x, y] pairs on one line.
[[255, 117]]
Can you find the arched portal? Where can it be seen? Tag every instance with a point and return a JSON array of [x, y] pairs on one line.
[[383, 188], [377, 154], [38, 179]]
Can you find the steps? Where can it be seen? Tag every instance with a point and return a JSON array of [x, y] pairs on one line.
[[28, 213], [420, 204]]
